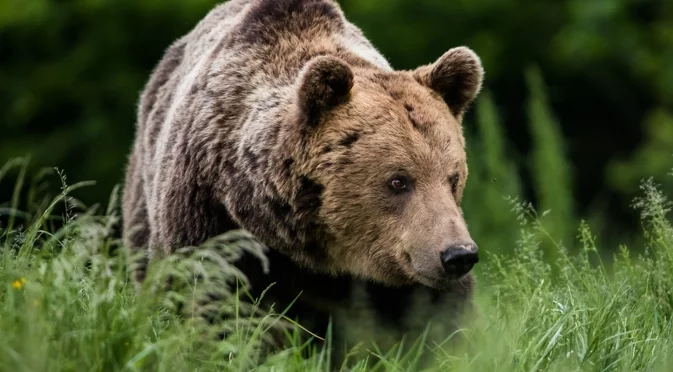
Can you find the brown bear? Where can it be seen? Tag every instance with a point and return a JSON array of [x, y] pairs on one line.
[[280, 118]]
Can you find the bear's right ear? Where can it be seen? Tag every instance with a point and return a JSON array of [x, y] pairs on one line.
[[324, 82], [457, 76]]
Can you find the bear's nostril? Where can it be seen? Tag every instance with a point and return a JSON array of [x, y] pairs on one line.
[[459, 259]]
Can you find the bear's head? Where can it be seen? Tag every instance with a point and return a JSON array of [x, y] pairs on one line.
[[388, 150]]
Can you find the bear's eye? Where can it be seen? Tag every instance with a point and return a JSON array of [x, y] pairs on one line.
[[398, 183], [454, 182]]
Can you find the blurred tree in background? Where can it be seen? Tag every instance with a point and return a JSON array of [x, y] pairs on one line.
[[577, 106]]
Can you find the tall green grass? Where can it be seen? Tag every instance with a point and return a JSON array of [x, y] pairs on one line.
[[66, 304]]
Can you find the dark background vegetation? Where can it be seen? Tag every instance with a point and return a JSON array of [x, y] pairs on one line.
[[578, 99]]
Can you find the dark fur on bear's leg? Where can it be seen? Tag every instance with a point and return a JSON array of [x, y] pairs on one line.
[[318, 299], [218, 307]]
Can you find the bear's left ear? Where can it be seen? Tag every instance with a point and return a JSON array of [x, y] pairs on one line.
[[324, 82], [457, 76]]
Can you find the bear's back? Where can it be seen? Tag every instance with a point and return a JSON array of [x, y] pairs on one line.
[[218, 89]]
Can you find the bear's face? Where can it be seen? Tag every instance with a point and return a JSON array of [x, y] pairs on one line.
[[390, 158]]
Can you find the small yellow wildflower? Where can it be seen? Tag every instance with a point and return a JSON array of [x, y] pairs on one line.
[[18, 284]]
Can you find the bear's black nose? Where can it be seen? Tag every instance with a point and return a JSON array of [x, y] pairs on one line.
[[459, 259]]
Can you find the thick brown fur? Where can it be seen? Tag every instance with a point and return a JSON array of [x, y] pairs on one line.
[[279, 117]]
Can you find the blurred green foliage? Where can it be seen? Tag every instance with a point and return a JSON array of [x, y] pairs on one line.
[[578, 102]]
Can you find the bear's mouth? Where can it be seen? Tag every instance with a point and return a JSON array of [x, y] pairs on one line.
[[438, 282]]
